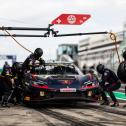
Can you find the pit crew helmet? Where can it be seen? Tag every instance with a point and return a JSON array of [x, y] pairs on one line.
[[16, 67], [38, 52], [124, 55], [100, 68]]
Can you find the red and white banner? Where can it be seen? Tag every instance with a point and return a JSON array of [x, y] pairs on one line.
[[71, 19]]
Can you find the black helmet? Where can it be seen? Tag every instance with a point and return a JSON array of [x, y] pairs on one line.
[[100, 68], [121, 71], [38, 52], [124, 55], [16, 66]]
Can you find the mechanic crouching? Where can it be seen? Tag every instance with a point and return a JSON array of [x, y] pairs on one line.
[[18, 85], [5, 84], [109, 83]]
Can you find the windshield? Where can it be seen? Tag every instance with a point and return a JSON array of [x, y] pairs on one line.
[[56, 69]]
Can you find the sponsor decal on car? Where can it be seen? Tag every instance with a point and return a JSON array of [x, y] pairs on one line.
[[67, 89]]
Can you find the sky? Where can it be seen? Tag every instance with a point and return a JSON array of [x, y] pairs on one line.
[[106, 15]]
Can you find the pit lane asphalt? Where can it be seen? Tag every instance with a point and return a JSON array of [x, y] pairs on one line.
[[80, 114]]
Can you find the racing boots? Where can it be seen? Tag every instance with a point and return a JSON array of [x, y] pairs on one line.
[[105, 103]]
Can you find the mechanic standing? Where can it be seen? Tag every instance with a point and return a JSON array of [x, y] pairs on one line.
[[19, 71], [121, 71], [109, 83], [29, 63]]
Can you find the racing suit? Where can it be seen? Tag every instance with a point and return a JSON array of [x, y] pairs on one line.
[[5, 84], [29, 63], [18, 85], [109, 83]]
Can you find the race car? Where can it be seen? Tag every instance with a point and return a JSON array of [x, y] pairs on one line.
[[59, 81]]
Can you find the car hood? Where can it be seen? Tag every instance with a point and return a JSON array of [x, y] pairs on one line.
[[61, 81]]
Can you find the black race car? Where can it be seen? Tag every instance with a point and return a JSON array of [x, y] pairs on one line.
[[59, 81]]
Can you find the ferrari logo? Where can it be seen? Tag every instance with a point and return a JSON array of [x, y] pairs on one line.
[[66, 81]]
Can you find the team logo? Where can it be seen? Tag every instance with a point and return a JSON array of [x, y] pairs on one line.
[[71, 19], [66, 82]]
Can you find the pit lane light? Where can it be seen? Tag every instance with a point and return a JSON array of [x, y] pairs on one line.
[[71, 19]]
